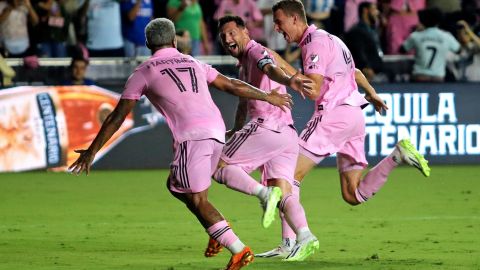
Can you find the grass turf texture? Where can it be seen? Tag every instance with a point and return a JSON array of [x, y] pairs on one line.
[[128, 220]]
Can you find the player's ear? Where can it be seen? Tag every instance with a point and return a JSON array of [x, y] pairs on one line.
[[174, 42]]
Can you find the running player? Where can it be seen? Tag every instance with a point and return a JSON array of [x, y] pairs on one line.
[[177, 85], [268, 141], [337, 124]]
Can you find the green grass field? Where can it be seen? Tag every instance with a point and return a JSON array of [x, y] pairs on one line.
[[128, 220]]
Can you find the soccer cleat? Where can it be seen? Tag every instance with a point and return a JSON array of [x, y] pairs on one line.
[[270, 206], [280, 252], [412, 157], [213, 248], [303, 249], [241, 259]]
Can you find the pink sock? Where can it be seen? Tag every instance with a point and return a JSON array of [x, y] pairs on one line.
[[294, 213], [221, 232], [287, 231], [375, 179], [236, 178]]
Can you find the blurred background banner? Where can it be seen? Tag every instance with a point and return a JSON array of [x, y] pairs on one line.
[[41, 126]]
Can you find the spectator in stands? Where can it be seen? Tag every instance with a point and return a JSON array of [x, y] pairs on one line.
[[351, 12], [188, 15], [364, 42], [184, 42], [249, 12], [402, 21], [78, 70], [465, 65], [52, 30], [14, 18], [431, 47], [274, 40], [136, 15], [318, 12], [104, 28]]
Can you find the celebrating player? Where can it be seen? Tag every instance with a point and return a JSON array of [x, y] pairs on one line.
[[337, 124], [177, 85], [268, 142]]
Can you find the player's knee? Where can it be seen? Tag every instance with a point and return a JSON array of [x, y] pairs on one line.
[[196, 200], [350, 198]]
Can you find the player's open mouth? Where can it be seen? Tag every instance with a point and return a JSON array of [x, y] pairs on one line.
[[232, 46]]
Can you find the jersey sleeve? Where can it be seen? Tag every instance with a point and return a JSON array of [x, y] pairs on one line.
[[316, 58], [453, 44], [409, 43], [135, 86], [261, 56], [210, 72]]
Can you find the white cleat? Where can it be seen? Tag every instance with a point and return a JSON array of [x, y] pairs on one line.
[[281, 252]]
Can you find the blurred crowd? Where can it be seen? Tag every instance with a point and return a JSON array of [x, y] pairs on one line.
[[371, 28]]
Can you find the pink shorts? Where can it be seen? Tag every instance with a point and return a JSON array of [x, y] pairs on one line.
[[193, 165], [274, 153], [341, 131]]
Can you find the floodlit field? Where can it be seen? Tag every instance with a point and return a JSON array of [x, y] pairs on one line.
[[128, 220]]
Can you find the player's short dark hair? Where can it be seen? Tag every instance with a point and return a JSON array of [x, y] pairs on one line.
[[362, 6], [291, 7], [430, 17], [229, 18]]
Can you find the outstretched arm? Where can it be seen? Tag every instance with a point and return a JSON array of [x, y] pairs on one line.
[[242, 89], [370, 93], [112, 123]]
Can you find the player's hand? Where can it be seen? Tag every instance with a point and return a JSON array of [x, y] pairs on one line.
[[377, 102], [280, 100], [83, 163], [302, 86]]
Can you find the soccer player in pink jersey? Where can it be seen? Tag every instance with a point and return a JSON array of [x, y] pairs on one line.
[[177, 85], [268, 142], [337, 124]]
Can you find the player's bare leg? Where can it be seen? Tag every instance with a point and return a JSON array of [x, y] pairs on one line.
[[304, 166], [217, 227]]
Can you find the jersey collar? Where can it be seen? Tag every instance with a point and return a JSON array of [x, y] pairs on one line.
[[312, 28]]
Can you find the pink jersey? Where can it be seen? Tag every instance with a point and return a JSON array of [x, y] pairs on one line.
[[177, 85], [252, 62], [327, 55]]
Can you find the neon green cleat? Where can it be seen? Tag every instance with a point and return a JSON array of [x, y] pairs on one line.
[[303, 249], [412, 157], [270, 206]]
